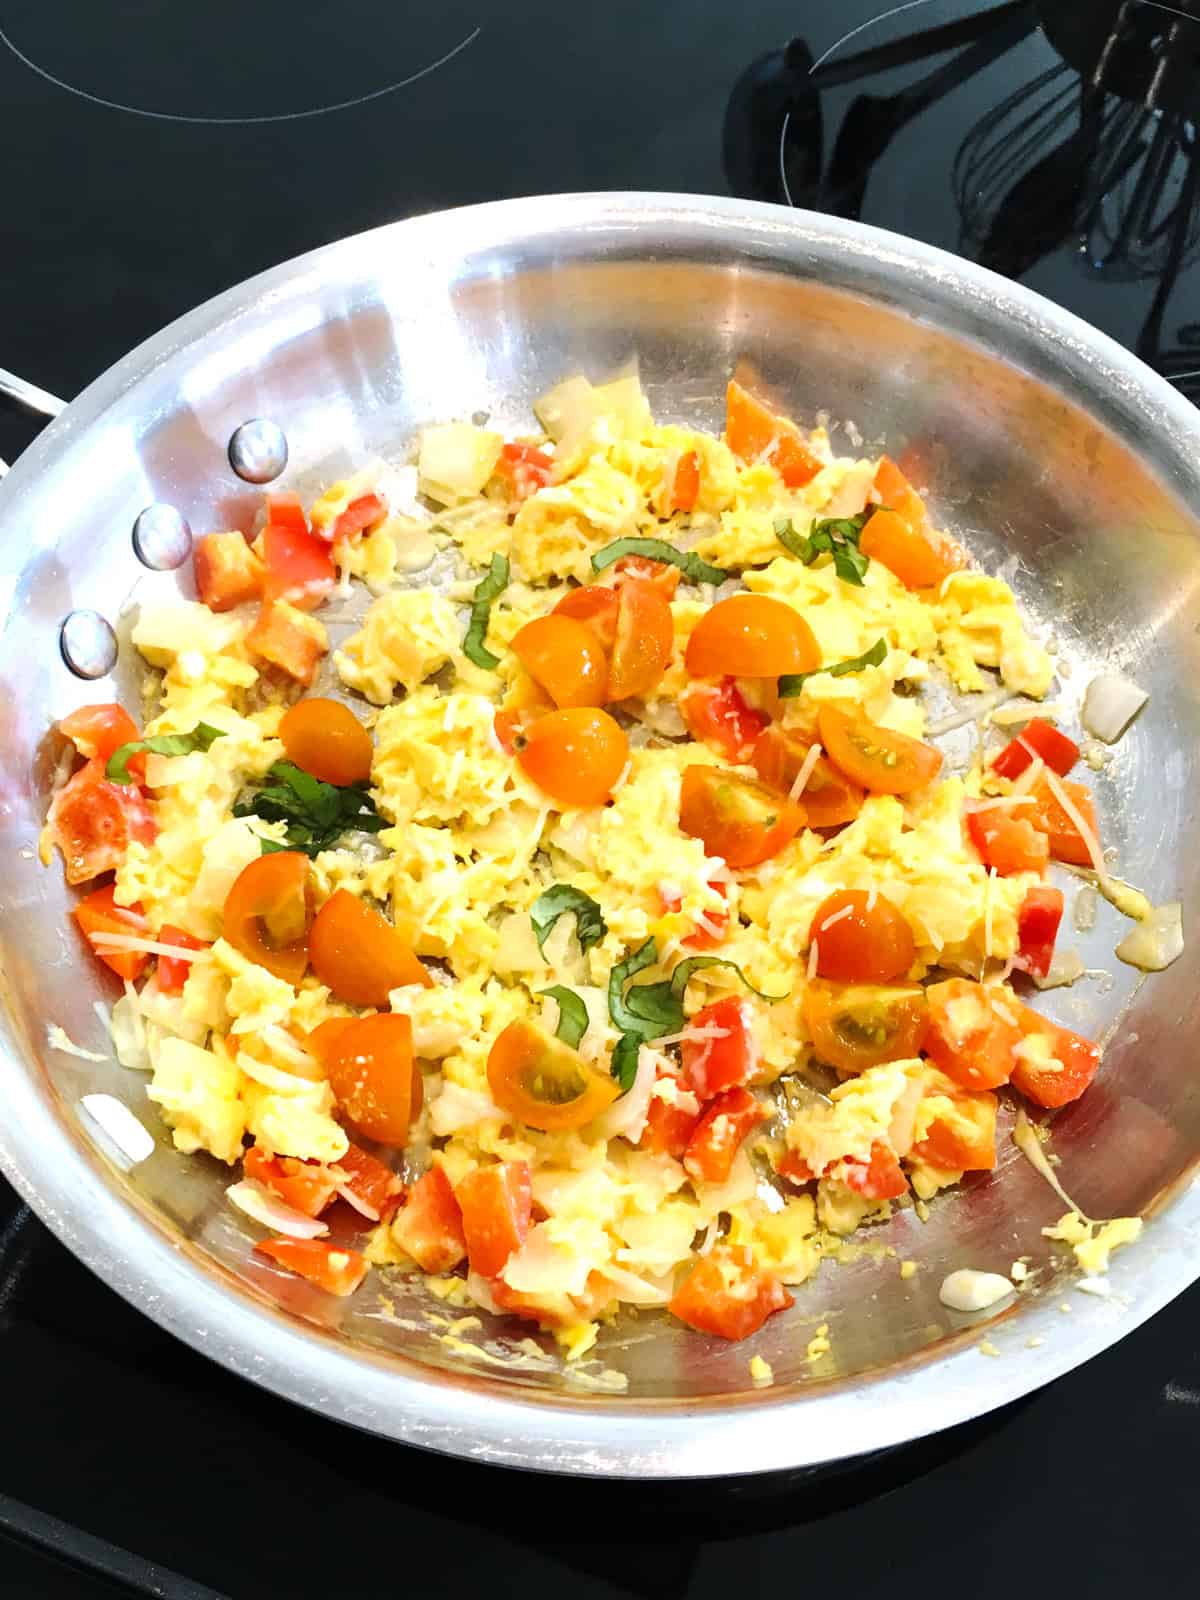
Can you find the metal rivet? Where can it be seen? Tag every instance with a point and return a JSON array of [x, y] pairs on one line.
[[258, 451], [481, 418], [162, 539], [88, 644]]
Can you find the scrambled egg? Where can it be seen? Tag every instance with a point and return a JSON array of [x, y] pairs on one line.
[[470, 843]]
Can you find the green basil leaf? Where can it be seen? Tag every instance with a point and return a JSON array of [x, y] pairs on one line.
[[685, 969], [590, 926], [791, 683], [850, 564], [834, 536], [687, 561], [624, 1062], [160, 744], [316, 814], [572, 1014], [486, 590], [268, 847], [796, 544], [624, 1017]]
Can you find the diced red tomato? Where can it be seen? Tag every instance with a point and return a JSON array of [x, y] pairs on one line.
[[298, 567], [754, 433], [172, 974], [331, 1267], [794, 1168], [729, 1295], [93, 821], [1053, 819], [707, 938], [1037, 738], [962, 1138], [287, 511], [1006, 841], [726, 1121], [972, 1032], [881, 1178], [719, 717], [525, 468], [1072, 1064], [304, 1185], [359, 515], [729, 1057], [668, 1129], [97, 732], [497, 1206], [685, 486], [904, 550], [98, 914], [1037, 929], [662, 574], [228, 572], [429, 1227], [370, 1180], [288, 640]]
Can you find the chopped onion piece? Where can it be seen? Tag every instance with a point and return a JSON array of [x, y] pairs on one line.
[[1155, 941], [1110, 705], [1066, 968], [638, 1291], [959, 719], [627, 1115], [968, 1290], [129, 1135], [363, 1207], [267, 1208]]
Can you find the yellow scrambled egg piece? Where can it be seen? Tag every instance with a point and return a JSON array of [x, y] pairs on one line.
[[407, 636]]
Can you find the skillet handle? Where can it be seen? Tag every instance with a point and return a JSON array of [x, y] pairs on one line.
[[28, 395]]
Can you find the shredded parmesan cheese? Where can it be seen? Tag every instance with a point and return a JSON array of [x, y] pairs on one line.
[[807, 768], [814, 957], [1091, 843], [150, 947]]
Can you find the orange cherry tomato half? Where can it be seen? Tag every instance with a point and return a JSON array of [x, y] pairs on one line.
[[856, 1026], [370, 1065], [596, 604], [429, 1226], [717, 714], [685, 486], [880, 1178], [97, 915], [972, 1033], [736, 818], [371, 1181], [1053, 1065], [268, 912], [544, 1083], [754, 433], [903, 550], [575, 756], [304, 1185], [1007, 841], [497, 1208], [828, 798], [880, 760], [753, 636], [962, 1137], [98, 731], [564, 656], [861, 937], [1050, 817], [664, 575], [92, 822], [324, 737], [356, 952], [726, 1295], [331, 1267], [641, 650]]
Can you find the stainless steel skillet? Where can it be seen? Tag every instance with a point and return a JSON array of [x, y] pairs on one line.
[[1059, 457]]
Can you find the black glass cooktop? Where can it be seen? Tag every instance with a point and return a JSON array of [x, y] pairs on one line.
[[154, 155]]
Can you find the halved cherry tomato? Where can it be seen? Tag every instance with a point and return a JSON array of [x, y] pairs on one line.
[[304, 1185], [370, 1180], [972, 1033], [727, 1294], [497, 1207], [685, 486], [356, 952], [726, 1121], [268, 912], [331, 1267], [717, 715], [93, 821], [753, 636], [735, 818], [962, 1138], [172, 974], [287, 511], [564, 656], [664, 575], [288, 640], [543, 1083], [645, 633], [98, 731], [898, 495], [828, 799], [1053, 1065], [370, 1066], [1052, 819], [856, 1026], [861, 937], [1036, 738], [879, 759], [429, 1227], [525, 468], [881, 1178], [668, 1128], [575, 756], [1037, 929], [755, 434], [905, 550], [324, 737], [98, 914], [704, 938], [1007, 842], [359, 515], [727, 1059], [228, 573], [895, 493], [298, 568], [596, 605]]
